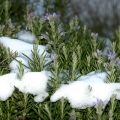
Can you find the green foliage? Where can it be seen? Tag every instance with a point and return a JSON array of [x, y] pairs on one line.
[[76, 50], [5, 58], [20, 71], [14, 9], [37, 63], [117, 39]]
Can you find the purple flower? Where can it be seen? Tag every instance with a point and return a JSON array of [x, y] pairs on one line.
[[50, 17], [110, 54]]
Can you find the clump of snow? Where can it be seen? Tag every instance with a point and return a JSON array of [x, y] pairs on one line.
[[24, 49], [87, 91], [95, 76], [7, 85], [26, 36], [34, 83], [18, 46], [104, 91], [77, 94], [15, 64]]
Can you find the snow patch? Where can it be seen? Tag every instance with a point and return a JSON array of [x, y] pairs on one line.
[[24, 49], [34, 83], [95, 76], [26, 36], [15, 64], [18, 46], [7, 85], [87, 91]]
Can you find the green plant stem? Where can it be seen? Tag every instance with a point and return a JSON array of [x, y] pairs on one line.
[[39, 113], [48, 111], [8, 108], [62, 109], [112, 108], [25, 105], [6, 10]]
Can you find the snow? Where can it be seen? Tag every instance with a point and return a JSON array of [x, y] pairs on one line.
[[34, 83], [15, 45], [18, 46], [26, 36], [23, 48], [86, 93], [15, 64], [104, 91], [95, 76], [71, 92], [7, 85]]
